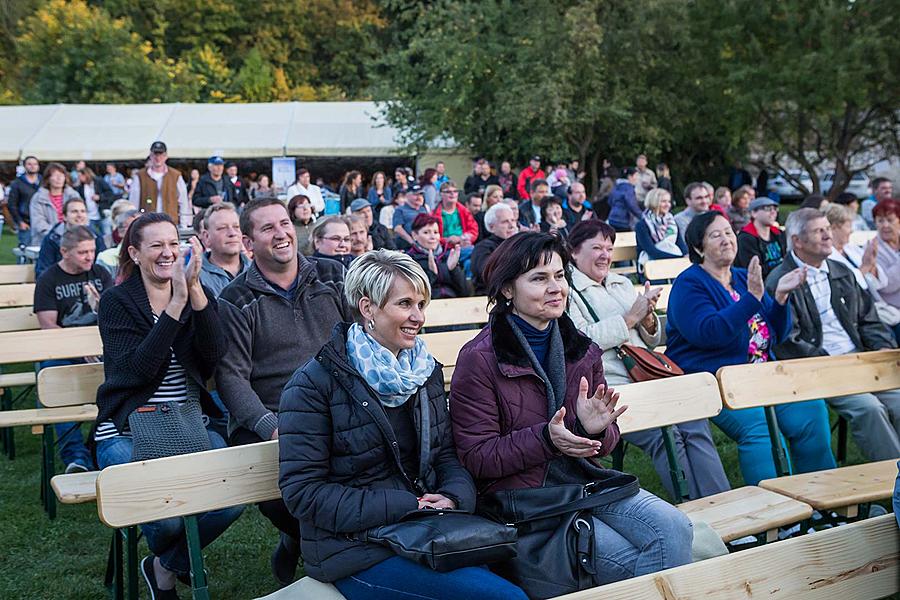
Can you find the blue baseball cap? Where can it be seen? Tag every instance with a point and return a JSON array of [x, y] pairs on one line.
[[216, 160]]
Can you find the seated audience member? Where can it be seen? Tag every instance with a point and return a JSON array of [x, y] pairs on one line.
[[887, 222], [816, 201], [493, 194], [761, 237], [882, 189], [552, 218], [720, 315], [576, 207], [605, 307], [331, 240], [386, 216], [624, 210], [380, 193], [97, 195], [440, 262], [698, 202], [67, 294], [377, 361], [301, 211], [275, 316], [74, 215], [404, 215], [161, 341], [118, 207], [852, 203], [656, 233], [529, 401], [721, 199], [822, 326], [46, 206], [381, 236], [739, 211], [474, 203], [862, 261], [501, 224], [263, 189], [224, 257], [360, 240], [109, 258], [456, 224], [530, 210]]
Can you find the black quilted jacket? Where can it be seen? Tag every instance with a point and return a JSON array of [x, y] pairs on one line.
[[340, 468]]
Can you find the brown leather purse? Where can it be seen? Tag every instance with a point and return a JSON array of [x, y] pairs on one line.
[[642, 364]]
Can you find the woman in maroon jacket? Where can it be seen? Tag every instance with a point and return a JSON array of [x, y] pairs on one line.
[[529, 405]]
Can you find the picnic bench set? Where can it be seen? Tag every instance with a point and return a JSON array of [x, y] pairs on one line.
[[862, 556]]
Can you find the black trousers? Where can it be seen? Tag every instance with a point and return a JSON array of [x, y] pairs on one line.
[[275, 511]]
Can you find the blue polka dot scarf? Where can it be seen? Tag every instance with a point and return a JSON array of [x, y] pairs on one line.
[[394, 378]]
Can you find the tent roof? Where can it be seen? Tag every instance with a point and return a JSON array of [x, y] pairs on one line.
[[69, 132]]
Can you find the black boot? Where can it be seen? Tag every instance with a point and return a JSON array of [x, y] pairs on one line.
[[285, 559]]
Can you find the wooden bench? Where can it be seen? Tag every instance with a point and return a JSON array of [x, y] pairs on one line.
[[860, 561], [665, 269], [13, 274], [21, 318], [445, 347], [457, 311], [16, 295], [625, 250]]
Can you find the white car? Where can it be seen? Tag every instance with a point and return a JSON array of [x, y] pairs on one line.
[[784, 189], [859, 184]]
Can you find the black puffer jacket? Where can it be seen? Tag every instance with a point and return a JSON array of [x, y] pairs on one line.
[[340, 464]]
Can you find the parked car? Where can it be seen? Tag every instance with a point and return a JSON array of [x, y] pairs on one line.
[[859, 184], [785, 190]]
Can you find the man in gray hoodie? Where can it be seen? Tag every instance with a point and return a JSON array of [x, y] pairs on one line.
[[276, 315]]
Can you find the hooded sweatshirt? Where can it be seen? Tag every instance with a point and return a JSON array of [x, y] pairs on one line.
[[770, 253]]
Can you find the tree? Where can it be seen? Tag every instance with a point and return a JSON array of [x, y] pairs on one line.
[[810, 82], [102, 60]]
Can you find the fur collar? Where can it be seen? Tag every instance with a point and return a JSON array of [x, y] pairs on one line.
[[508, 349]]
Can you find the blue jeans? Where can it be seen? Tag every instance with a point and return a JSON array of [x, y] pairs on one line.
[[639, 535], [804, 424], [24, 236], [896, 501], [401, 579], [166, 538], [69, 441]]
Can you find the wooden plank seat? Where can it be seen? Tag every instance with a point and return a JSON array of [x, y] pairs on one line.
[[860, 561], [738, 513], [75, 488], [457, 311], [665, 269], [49, 344], [21, 318], [841, 490], [21, 294], [8, 380], [13, 274], [47, 416]]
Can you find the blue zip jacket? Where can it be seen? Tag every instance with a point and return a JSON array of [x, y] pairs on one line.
[[706, 329], [623, 205]]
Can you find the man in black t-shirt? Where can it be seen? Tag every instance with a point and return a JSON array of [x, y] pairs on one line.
[[67, 295]]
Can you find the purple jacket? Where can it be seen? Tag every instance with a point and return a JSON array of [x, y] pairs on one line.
[[498, 405]]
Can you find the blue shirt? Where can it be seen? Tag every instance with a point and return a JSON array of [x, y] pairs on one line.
[[538, 340], [405, 215]]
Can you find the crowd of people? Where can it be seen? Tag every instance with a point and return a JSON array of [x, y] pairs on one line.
[[278, 321]]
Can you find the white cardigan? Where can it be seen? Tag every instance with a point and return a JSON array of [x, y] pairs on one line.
[[610, 301]]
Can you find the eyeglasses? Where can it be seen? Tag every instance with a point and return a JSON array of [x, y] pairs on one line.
[[337, 239], [450, 192]]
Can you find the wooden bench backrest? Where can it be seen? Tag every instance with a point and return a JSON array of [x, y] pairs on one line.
[[858, 561], [457, 311], [21, 318], [661, 402], [624, 253], [783, 381], [20, 294], [49, 344], [141, 492], [861, 238], [69, 385], [667, 268], [12, 274], [445, 346], [625, 239]]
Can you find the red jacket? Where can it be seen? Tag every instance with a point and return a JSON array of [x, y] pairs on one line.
[[469, 225], [498, 405], [527, 175]]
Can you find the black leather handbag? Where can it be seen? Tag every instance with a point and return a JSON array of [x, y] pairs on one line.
[[445, 540], [556, 532]]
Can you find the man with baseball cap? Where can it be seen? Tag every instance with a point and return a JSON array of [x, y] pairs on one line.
[[530, 173], [160, 188], [381, 237], [761, 237], [405, 214], [213, 186]]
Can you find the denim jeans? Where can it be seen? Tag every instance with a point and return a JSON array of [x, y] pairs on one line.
[[400, 579], [167, 538], [24, 236], [639, 535], [896, 501], [69, 441], [804, 424]]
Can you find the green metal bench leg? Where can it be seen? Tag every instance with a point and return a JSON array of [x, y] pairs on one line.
[[679, 483], [842, 440], [131, 561], [47, 471], [118, 587], [782, 467], [618, 455], [9, 441], [199, 585]]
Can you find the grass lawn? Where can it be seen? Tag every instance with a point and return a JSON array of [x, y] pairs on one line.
[[66, 558]]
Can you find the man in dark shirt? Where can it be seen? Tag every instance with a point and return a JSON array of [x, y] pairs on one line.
[[20, 192], [381, 237], [67, 295], [213, 186], [480, 178], [74, 214], [761, 237]]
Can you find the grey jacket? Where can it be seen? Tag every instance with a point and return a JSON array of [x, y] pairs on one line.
[[268, 338], [43, 214], [215, 277], [852, 305]]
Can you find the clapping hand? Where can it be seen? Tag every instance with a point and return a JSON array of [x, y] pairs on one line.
[[93, 296], [192, 272], [599, 411], [869, 264], [652, 295], [755, 279], [432, 265], [453, 257], [436, 501], [567, 442], [789, 282]]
